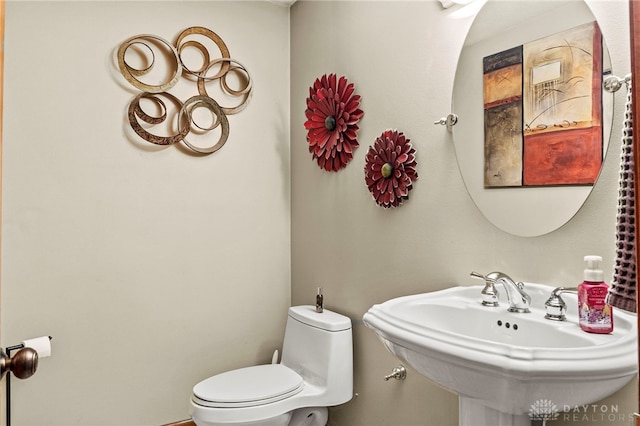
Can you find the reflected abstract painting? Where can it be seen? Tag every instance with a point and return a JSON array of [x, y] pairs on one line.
[[543, 111]]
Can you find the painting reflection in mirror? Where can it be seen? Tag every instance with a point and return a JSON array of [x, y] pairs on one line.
[[543, 111]]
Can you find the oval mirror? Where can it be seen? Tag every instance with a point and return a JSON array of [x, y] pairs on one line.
[[533, 120]]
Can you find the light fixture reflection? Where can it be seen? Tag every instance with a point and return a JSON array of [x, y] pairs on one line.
[[471, 8], [449, 3]]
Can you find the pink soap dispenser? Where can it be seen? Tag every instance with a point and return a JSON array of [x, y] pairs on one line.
[[595, 314]]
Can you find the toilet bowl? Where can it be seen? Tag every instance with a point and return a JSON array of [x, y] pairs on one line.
[[316, 372]]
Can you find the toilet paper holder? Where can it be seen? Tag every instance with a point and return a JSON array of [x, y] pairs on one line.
[[23, 365]]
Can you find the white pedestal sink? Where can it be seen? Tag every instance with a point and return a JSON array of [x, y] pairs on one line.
[[507, 368]]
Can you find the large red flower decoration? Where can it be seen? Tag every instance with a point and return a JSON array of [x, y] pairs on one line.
[[332, 116], [390, 168]]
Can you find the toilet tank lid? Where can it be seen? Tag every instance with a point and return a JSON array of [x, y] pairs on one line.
[[327, 320]]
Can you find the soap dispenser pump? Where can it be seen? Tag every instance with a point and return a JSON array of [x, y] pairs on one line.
[[595, 314]]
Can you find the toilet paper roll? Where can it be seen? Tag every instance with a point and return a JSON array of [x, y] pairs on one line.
[[42, 345]]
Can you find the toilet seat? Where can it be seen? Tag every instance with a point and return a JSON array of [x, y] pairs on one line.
[[248, 387]]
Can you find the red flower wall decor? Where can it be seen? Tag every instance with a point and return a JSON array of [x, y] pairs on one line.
[[390, 168], [332, 116]]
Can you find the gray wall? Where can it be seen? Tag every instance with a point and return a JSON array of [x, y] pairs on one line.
[[402, 58], [151, 268]]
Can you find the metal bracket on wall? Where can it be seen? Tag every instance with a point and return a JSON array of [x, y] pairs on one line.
[[612, 83], [449, 121]]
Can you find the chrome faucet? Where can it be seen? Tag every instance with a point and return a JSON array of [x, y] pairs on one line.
[[519, 300]]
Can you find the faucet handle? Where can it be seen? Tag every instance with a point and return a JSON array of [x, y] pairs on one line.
[[555, 305], [489, 293], [489, 277]]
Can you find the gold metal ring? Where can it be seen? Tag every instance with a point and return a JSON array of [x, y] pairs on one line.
[[205, 56], [246, 91], [130, 73], [135, 110], [136, 71], [224, 50], [206, 102]]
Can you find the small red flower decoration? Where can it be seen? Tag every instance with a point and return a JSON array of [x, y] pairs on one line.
[[390, 168], [332, 116]]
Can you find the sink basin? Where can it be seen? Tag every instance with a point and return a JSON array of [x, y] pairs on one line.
[[508, 368]]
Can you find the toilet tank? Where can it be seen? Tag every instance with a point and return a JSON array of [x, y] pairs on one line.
[[319, 347]]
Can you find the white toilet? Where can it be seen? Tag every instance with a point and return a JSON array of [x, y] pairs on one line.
[[316, 372]]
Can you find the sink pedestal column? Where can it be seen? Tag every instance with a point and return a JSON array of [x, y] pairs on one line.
[[473, 412]]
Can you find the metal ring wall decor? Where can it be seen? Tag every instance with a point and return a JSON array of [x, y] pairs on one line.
[[156, 97]]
